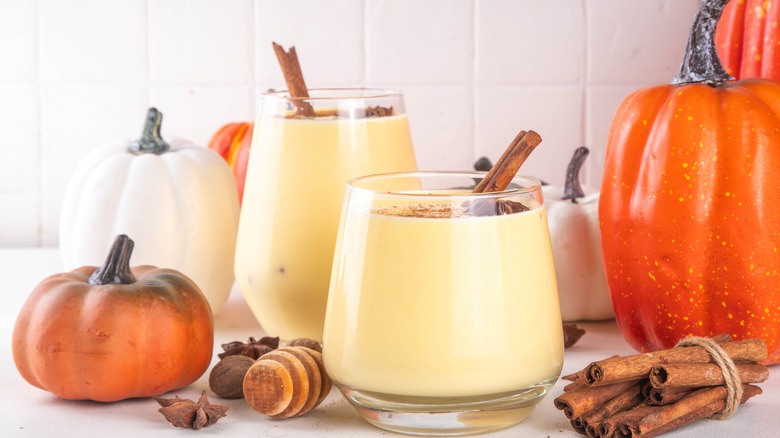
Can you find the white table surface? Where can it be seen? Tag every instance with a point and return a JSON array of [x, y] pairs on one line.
[[29, 411]]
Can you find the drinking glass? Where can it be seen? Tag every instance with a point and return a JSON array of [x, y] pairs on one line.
[[443, 315], [298, 167]]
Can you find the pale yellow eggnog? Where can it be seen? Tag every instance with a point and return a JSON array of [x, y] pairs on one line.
[[426, 305], [290, 214]]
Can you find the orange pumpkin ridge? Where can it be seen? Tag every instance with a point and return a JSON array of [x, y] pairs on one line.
[[747, 38]]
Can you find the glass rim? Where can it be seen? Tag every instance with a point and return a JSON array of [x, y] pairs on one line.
[[527, 184], [368, 93]]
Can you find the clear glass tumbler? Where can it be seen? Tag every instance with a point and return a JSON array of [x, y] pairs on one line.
[[298, 167], [443, 314]]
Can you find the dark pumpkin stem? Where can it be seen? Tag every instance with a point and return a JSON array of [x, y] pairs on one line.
[[151, 141], [116, 269], [572, 189], [701, 63], [483, 165]]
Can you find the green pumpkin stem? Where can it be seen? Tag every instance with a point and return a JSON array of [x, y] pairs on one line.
[[701, 63], [572, 189], [116, 269], [151, 141]]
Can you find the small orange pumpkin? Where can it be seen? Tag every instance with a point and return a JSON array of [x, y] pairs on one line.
[[112, 333], [233, 142]]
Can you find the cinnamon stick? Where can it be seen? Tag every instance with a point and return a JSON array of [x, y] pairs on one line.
[[697, 375], [576, 385], [581, 373], [580, 403], [627, 399], [608, 427], [293, 77], [665, 396], [577, 425], [501, 174], [641, 410], [635, 367], [699, 404]]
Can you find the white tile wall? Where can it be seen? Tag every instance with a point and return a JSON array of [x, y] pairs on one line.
[[554, 112], [80, 73], [515, 46], [419, 42], [198, 42], [329, 39], [92, 41]]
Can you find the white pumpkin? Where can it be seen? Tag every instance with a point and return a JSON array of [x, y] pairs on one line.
[[572, 214], [179, 203]]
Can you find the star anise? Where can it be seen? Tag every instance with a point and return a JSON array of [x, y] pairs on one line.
[[571, 334], [182, 412], [252, 348]]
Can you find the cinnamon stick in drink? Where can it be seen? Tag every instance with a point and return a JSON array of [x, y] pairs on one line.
[[635, 367], [293, 77], [698, 375], [501, 174]]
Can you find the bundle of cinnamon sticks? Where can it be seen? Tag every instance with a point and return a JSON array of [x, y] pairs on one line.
[[644, 395]]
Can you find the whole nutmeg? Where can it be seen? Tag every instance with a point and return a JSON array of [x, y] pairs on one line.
[[227, 376]]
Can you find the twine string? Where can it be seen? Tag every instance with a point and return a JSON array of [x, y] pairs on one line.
[[727, 368]]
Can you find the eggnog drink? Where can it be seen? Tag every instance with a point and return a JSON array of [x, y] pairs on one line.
[[296, 176], [430, 306]]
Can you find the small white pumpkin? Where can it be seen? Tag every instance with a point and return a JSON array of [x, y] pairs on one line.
[[178, 201], [572, 214]]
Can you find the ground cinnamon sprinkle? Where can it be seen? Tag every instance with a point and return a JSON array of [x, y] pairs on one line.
[[421, 211], [334, 113]]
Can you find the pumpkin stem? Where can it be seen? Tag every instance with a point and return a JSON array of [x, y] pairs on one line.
[[150, 141], [116, 269], [701, 63], [572, 189], [483, 164]]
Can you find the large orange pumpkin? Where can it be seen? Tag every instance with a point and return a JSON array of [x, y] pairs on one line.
[[689, 211], [747, 39], [233, 142], [114, 333]]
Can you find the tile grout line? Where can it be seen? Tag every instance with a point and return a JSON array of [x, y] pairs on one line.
[[253, 55], [364, 48], [147, 53], [475, 57], [584, 119], [38, 114]]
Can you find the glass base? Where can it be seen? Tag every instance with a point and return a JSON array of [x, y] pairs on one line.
[[446, 416]]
